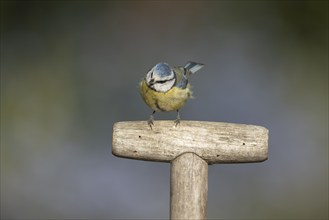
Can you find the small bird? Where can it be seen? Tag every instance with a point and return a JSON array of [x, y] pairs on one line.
[[167, 89]]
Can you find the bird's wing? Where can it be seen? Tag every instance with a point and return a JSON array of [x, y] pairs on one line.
[[181, 77]]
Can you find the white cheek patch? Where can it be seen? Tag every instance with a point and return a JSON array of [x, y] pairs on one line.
[[149, 76], [164, 87], [158, 78]]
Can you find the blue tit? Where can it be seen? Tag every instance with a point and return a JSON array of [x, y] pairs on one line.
[[167, 89]]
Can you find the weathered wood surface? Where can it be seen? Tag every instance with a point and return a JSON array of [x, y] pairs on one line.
[[214, 142], [188, 187]]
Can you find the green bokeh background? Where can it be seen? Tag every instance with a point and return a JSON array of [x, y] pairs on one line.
[[70, 69]]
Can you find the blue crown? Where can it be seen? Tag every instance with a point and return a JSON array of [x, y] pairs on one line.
[[162, 69]]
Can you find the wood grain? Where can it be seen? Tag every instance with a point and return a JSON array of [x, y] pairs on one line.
[[214, 142], [188, 187]]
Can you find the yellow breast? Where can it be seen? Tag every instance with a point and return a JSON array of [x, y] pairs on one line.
[[172, 100]]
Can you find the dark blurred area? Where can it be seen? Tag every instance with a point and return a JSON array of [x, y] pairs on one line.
[[70, 70]]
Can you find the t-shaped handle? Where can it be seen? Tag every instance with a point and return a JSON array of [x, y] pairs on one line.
[[190, 147]]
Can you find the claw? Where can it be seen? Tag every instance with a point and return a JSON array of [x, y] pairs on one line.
[[151, 120], [177, 122]]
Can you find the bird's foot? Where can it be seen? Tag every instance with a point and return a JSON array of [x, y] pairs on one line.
[[177, 121], [150, 121]]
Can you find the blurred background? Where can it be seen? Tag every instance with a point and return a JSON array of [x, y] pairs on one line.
[[70, 70]]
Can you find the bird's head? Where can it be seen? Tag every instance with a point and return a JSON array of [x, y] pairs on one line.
[[161, 77]]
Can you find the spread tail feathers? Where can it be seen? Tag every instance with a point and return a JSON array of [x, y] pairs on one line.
[[193, 66]]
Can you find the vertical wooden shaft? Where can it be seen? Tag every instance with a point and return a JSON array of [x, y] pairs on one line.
[[188, 187]]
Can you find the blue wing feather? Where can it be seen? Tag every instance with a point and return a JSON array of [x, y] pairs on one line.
[[183, 83]]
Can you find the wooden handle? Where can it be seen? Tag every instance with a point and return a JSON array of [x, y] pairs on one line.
[[188, 187], [214, 142]]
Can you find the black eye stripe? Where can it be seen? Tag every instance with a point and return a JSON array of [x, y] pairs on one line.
[[163, 81]]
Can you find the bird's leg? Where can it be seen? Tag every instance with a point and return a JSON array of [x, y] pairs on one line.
[[177, 121], [150, 120]]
